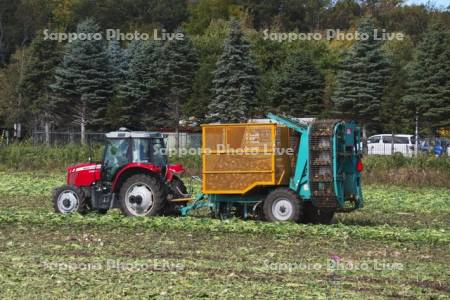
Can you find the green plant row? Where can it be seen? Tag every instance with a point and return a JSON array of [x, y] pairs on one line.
[[339, 231], [388, 162], [31, 157], [418, 171]]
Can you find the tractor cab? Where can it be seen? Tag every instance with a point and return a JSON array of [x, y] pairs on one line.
[[126, 147], [134, 175]]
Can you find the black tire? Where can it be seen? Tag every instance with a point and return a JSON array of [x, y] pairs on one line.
[[317, 216], [289, 210], [238, 211], [74, 202], [156, 188]]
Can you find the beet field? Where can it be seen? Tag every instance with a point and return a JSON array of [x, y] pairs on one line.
[[397, 246]]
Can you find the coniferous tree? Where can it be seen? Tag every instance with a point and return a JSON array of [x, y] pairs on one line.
[[83, 84], [429, 78], [140, 93], [362, 78], [181, 64], [298, 88], [45, 55], [235, 80], [395, 116], [118, 62], [209, 47]]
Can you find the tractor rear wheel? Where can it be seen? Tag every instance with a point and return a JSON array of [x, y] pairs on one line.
[[142, 195], [282, 204], [69, 199]]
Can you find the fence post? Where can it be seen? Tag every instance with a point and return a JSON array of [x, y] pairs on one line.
[[47, 134], [416, 146]]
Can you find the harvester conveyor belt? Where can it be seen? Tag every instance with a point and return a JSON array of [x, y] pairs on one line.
[[321, 163]]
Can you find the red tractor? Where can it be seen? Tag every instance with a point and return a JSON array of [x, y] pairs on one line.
[[133, 176]]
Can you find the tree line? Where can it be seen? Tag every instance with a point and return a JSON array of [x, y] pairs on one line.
[[224, 69]]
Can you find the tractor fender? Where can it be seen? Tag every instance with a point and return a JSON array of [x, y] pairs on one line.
[[173, 170], [132, 169]]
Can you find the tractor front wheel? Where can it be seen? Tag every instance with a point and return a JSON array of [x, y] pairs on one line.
[[69, 199], [142, 195], [282, 204]]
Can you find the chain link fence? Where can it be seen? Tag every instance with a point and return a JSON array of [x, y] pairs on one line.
[[66, 137]]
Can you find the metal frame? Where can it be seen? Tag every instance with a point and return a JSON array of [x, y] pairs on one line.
[[225, 134]]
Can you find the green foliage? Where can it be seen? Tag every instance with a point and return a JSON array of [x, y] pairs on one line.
[[298, 87], [83, 84], [169, 13], [208, 46], [12, 107], [396, 169], [29, 156], [140, 92], [394, 114], [420, 171], [396, 227], [32, 184], [207, 24], [429, 78], [39, 74], [377, 198], [118, 61], [181, 64], [299, 263], [362, 77], [235, 80], [203, 12]]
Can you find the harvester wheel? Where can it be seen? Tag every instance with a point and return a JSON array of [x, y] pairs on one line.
[[69, 199], [142, 195], [282, 204]]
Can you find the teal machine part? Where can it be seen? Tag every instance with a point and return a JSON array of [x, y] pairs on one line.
[[344, 148], [200, 201], [300, 181]]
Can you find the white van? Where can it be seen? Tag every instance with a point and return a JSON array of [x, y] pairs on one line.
[[381, 144]]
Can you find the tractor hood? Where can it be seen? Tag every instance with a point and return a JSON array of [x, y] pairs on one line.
[[83, 174], [82, 167]]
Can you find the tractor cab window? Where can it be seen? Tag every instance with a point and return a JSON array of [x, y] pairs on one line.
[[158, 152], [149, 150], [116, 156]]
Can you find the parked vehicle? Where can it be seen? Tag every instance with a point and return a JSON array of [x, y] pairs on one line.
[[381, 144]]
